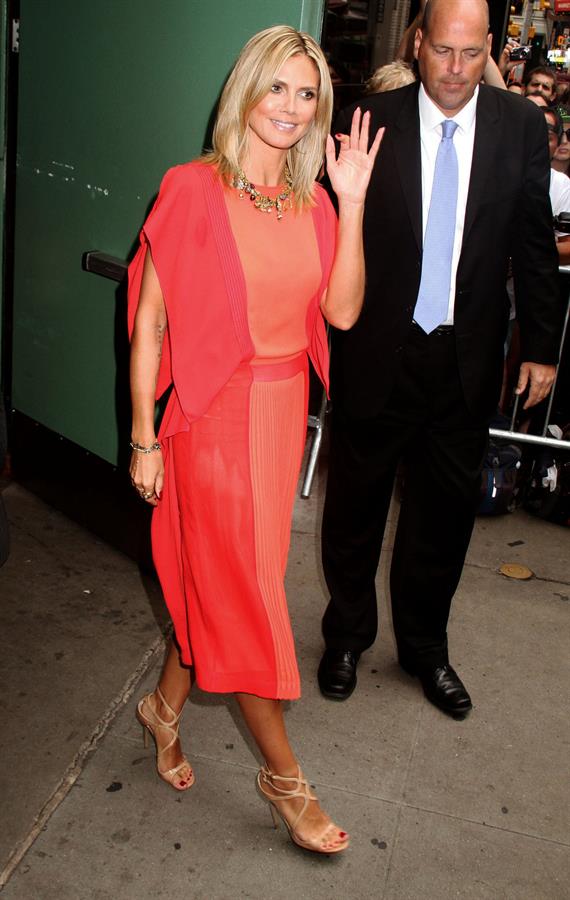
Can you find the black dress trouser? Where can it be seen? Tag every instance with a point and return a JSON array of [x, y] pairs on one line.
[[426, 424]]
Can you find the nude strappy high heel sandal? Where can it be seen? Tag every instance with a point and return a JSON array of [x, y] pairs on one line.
[[330, 840], [150, 720]]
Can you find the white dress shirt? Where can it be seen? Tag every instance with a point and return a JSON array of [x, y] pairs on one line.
[[430, 138], [559, 192]]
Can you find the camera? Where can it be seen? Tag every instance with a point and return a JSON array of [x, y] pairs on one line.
[[518, 54]]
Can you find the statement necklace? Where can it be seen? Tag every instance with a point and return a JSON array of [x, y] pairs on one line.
[[261, 201]]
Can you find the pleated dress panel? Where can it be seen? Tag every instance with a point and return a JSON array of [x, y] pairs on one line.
[[236, 470]]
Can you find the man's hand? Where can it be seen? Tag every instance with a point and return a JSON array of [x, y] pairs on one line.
[[539, 378]]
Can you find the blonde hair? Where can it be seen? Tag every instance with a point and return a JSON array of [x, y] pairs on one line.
[[250, 80], [389, 77]]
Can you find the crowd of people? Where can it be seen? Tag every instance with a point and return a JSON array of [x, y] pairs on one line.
[[439, 186]]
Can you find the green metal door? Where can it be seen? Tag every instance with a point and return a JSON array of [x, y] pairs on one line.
[[110, 95]]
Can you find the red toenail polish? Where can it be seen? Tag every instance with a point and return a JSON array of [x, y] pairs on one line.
[[342, 833]]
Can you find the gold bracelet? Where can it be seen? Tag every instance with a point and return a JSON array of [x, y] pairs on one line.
[[140, 449]]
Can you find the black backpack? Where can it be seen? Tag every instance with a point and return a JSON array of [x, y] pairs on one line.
[[547, 490], [499, 478]]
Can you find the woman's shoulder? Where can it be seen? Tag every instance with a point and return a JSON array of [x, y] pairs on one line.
[[185, 175]]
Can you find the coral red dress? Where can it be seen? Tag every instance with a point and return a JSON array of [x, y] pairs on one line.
[[221, 530]]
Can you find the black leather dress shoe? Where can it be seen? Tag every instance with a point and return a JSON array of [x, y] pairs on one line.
[[443, 687], [337, 673]]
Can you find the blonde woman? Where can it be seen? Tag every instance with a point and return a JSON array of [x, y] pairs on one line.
[[240, 260], [390, 77]]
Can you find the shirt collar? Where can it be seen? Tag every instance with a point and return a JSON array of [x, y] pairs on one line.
[[431, 117]]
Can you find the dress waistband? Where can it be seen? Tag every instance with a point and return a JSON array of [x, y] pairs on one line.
[[278, 371]]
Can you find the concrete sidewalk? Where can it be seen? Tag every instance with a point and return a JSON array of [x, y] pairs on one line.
[[436, 808]]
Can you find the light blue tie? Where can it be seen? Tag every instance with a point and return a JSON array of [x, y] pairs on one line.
[[433, 296]]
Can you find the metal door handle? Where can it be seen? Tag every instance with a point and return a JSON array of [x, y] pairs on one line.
[[103, 264]]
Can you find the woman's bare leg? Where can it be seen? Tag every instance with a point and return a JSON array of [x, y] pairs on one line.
[[174, 683], [264, 718]]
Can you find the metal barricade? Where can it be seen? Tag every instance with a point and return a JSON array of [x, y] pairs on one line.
[[318, 423], [542, 439]]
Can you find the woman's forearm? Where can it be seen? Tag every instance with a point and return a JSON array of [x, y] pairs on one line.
[[349, 176], [492, 75], [343, 300], [145, 361]]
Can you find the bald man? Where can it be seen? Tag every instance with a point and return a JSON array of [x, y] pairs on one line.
[[417, 379]]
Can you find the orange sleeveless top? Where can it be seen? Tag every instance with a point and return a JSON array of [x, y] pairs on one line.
[[282, 269]]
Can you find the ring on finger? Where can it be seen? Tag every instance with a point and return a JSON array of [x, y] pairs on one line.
[[146, 495]]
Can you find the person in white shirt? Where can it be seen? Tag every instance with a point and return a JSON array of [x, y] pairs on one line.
[[561, 158], [461, 185], [559, 184]]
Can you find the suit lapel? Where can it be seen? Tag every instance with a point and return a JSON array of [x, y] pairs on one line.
[[484, 147], [407, 149]]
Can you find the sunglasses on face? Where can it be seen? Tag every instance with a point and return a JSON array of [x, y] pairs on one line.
[[554, 130]]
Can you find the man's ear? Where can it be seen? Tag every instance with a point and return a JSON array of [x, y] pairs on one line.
[[417, 41], [489, 43]]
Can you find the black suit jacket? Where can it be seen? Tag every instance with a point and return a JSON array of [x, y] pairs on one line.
[[508, 214]]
